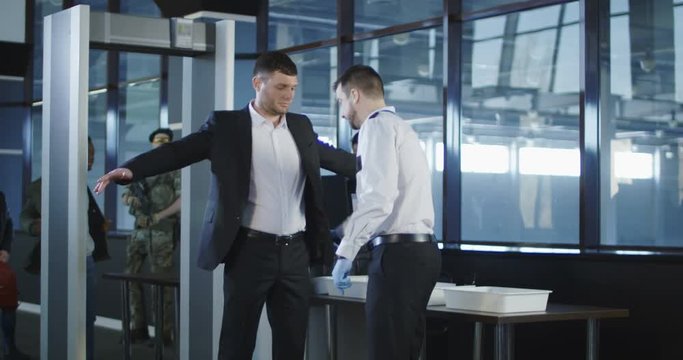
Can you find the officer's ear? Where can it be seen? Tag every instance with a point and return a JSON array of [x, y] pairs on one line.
[[354, 96]]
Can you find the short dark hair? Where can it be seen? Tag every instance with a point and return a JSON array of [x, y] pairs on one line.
[[165, 131], [272, 61], [362, 77]]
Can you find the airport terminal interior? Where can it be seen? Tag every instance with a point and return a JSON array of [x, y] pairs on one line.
[[552, 131]]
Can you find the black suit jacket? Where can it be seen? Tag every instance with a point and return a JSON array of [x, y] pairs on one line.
[[97, 231], [225, 140]]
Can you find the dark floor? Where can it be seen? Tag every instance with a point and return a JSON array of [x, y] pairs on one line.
[[107, 346]]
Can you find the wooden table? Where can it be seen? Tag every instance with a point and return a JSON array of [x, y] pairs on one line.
[[503, 323], [157, 282]]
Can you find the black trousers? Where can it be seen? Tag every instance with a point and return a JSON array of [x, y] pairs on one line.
[[401, 279], [259, 271]]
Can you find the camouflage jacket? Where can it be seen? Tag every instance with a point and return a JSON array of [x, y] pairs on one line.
[[156, 194]]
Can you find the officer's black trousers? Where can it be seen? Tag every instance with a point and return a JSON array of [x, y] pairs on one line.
[[401, 279]]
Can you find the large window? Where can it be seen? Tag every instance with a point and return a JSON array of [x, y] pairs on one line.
[[374, 14], [42, 9], [95, 5], [470, 6], [296, 22], [140, 7], [139, 112], [411, 66], [97, 114], [314, 97], [520, 127], [641, 152]]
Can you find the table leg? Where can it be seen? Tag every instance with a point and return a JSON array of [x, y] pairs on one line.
[[125, 320], [331, 324], [423, 348], [478, 331], [177, 321], [593, 339], [510, 341], [503, 348], [158, 322]]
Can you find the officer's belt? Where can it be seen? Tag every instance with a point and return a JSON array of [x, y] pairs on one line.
[[400, 238]]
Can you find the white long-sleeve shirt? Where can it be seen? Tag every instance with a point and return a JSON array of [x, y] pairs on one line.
[[393, 184], [276, 187]]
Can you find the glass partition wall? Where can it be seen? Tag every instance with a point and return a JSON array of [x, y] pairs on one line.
[[642, 135], [521, 123], [520, 158]]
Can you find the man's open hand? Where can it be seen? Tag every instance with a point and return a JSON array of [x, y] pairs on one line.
[[118, 174]]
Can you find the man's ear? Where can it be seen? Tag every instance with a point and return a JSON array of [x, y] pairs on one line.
[[355, 95], [256, 82]]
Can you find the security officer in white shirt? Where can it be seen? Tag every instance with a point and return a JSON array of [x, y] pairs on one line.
[[394, 216]]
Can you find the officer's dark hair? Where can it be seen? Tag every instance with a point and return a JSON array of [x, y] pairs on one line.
[[363, 78], [272, 61], [165, 131]]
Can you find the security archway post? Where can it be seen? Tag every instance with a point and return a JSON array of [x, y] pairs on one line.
[[207, 84]]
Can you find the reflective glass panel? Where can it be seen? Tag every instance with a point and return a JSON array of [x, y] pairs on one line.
[[36, 142], [317, 72], [97, 115], [42, 8], [243, 75], [95, 5], [641, 144], [469, 6], [245, 38], [139, 113], [97, 77], [377, 14], [140, 7], [411, 66], [520, 158], [296, 22]]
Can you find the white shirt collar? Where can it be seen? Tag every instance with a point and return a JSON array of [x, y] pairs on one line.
[[390, 109], [258, 120]]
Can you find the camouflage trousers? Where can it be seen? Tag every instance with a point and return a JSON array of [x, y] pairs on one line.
[[157, 246]]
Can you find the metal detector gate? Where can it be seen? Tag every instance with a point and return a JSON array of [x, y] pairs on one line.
[[207, 77]]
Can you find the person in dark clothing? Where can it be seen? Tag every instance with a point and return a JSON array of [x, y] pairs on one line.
[[265, 218], [96, 245], [8, 286], [394, 218]]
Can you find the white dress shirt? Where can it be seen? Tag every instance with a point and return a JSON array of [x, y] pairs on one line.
[[393, 184], [276, 186]]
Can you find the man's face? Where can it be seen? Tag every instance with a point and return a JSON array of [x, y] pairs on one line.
[[91, 155], [347, 107], [274, 91], [160, 139]]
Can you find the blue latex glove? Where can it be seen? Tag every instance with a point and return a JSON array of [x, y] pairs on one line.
[[340, 274]]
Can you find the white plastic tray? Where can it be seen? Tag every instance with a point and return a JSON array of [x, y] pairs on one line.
[[324, 285], [437, 297], [496, 299]]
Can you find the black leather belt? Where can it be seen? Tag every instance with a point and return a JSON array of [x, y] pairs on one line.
[[277, 239], [400, 238]]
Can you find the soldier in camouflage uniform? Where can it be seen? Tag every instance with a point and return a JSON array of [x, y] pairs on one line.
[[155, 204]]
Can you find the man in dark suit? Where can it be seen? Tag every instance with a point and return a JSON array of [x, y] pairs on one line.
[[265, 216]]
